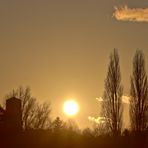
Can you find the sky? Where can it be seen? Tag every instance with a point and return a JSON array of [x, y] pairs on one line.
[[61, 48]]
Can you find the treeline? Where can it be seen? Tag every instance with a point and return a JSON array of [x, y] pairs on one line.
[[65, 138]]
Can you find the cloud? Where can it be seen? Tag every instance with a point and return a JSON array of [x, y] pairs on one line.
[[126, 99], [97, 120], [99, 99], [131, 14]]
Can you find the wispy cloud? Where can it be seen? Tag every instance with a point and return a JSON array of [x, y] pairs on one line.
[[131, 14], [97, 120], [99, 99], [126, 99]]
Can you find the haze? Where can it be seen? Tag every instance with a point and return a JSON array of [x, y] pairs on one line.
[[61, 49]]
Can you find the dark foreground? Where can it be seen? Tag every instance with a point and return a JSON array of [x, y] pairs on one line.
[[46, 139]]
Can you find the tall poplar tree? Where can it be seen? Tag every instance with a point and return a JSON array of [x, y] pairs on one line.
[[139, 93], [112, 99]]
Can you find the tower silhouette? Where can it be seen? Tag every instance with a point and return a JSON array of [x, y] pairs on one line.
[[13, 115]]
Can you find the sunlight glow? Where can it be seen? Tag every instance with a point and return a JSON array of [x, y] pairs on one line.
[[70, 108]]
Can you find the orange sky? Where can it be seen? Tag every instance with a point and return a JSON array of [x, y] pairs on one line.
[[61, 49]]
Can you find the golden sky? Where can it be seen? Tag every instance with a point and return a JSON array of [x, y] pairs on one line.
[[60, 48]]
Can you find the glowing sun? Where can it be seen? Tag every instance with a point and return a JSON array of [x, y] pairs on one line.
[[70, 108]]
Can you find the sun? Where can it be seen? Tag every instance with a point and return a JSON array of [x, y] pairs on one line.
[[70, 108]]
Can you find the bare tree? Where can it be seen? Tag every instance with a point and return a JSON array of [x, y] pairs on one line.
[[40, 116], [139, 93], [112, 100], [100, 129], [72, 126], [34, 115]]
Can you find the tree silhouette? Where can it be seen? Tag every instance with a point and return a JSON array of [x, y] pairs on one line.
[[87, 132], [112, 100], [41, 116], [57, 125], [71, 125], [34, 115], [100, 129], [139, 93]]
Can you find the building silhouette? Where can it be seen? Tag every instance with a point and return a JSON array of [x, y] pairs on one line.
[[11, 117]]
